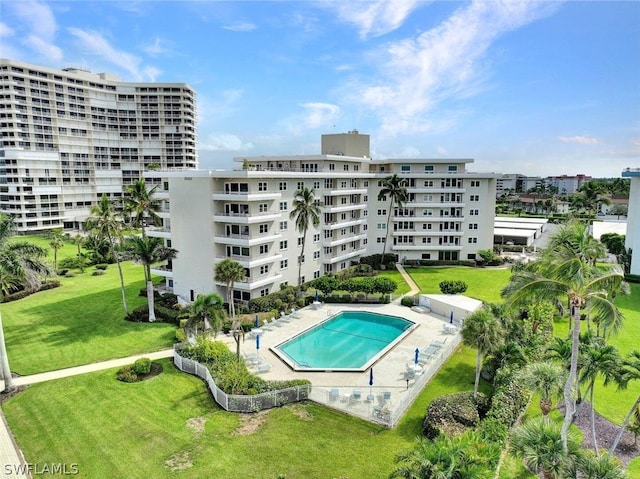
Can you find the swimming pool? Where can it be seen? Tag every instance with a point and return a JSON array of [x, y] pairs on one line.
[[348, 341]]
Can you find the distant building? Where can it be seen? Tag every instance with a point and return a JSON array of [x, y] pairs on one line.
[[69, 136], [243, 214], [568, 185], [510, 183], [632, 240]]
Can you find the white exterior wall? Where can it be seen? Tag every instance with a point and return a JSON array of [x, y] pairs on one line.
[[632, 239]]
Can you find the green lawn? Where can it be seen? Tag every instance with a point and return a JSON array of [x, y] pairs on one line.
[[484, 284], [80, 322], [112, 429]]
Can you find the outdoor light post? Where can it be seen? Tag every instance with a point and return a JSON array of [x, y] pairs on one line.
[[407, 383]]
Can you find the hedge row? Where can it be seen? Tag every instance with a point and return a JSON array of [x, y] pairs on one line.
[[27, 292], [428, 262], [452, 414]]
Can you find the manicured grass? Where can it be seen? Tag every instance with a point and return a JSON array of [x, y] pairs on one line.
[[113, 429], [80, 322], [484, 284], [399, 280]]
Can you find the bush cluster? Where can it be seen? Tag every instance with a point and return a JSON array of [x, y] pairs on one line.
[[23, 293], [132, 373], [142, 366], [452, 414], [275, 301], [408, 301], [435, 262], [163, 306], [452, 286], [376, 259]]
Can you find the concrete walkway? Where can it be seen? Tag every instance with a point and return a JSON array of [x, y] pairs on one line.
[[11, 458]]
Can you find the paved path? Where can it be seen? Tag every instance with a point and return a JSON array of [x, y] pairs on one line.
[[11, 458]]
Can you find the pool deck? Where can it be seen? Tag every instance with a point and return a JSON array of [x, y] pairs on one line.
[[388, 371]]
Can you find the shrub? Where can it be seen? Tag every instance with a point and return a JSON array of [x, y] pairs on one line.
[[452, 287], [70, 274], [142, 366], [98, 272], [102, 266], [181, 336], [127, 374], [453, 413], [408, 301]]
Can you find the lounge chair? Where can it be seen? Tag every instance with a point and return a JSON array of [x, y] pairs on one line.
[[386, 397], [286, 319], [277, 322], [356, 395], [334, 394], [267, 326], [294, 313], [263, 368]]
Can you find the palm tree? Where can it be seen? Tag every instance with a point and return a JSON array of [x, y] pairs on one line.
[[228, 271], [481, 330], [207, 309], [56, 243], [589, 465], [630, 372], [547, 379], [238, 333], [148, 251], [393, 188], [105, 221], [79, 242], [540, 445], [599, 359], [141, 205], [21, 265], [567, 270], [306, 210]]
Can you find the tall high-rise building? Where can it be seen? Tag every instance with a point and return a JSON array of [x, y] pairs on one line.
[[244, 214], [69, 136]]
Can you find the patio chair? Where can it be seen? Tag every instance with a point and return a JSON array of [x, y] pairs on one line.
[[386, 397], [294, 313], [263, 368], [267, 325], [284, 318], [356, 395], [334, 394]]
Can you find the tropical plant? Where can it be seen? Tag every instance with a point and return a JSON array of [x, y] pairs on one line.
[[547, 379], [481, 330], [540, 445], [140, 205], [21, 266], [567, 270], [229, 272], [589, 465], [394, 189], [56, 242], [147, 251], [306, 211], [208, 312], [78, 240], [107, 224], [326, 284], [466, 456], [630, 372]]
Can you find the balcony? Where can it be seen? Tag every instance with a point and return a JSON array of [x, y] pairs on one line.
[[334, 225], [343, 208], [252, 261], [343, 240], [247, 195], [343, 255], [246, 218], [246, 240], [252, 283], [163, 271]]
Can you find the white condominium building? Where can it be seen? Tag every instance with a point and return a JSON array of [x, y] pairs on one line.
[[632, 239], [244, 214], [69, 136]]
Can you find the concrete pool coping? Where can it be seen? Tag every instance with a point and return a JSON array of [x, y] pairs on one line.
[[389, 370]]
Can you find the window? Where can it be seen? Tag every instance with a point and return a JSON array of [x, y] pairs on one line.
[[284, 264], [428, 167], [264, 248], [284, 244], [316, 185], [283, 206], [427, 226], [473, 240], [316, 237], [475, 183], [264, 292], [428, 183], [473, 226], [345, 167], [380, 240], [473, 212], [282, 186], [426, 240], [262, 186], [300, 185], [264, 269], [284, 225], [263, 207], [365, 184], [382, 212], [300, 241], [452, 168], [316, 254], [426, 255], [316, 274], [332, 166], [264, 228], [475, 198], [405, 168], [383, 198], [381, 226]]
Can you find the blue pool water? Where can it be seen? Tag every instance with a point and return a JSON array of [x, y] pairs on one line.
[[350, 340]]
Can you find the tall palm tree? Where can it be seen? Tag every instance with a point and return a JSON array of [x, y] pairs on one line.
[[56, 242], [481, 330], [148, 251], [394, 189], [229, 272], [540, 445], [21, 266], [547, 379], [630, 372], [599, 359], [208, 311], [306, 211], [107, 224], [141, 205], [567, 271]]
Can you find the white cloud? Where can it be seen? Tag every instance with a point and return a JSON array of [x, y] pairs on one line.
[[44, 48], [582, 140], [224, 142], [446, 63], [38, 30], [156, 48], [314, 115], [240, 27], [6, 30], [374, 18], [94, 43]]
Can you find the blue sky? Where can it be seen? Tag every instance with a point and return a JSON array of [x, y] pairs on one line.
[[540, 88]]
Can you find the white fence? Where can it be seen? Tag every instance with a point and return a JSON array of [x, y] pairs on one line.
[[241, 403]]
